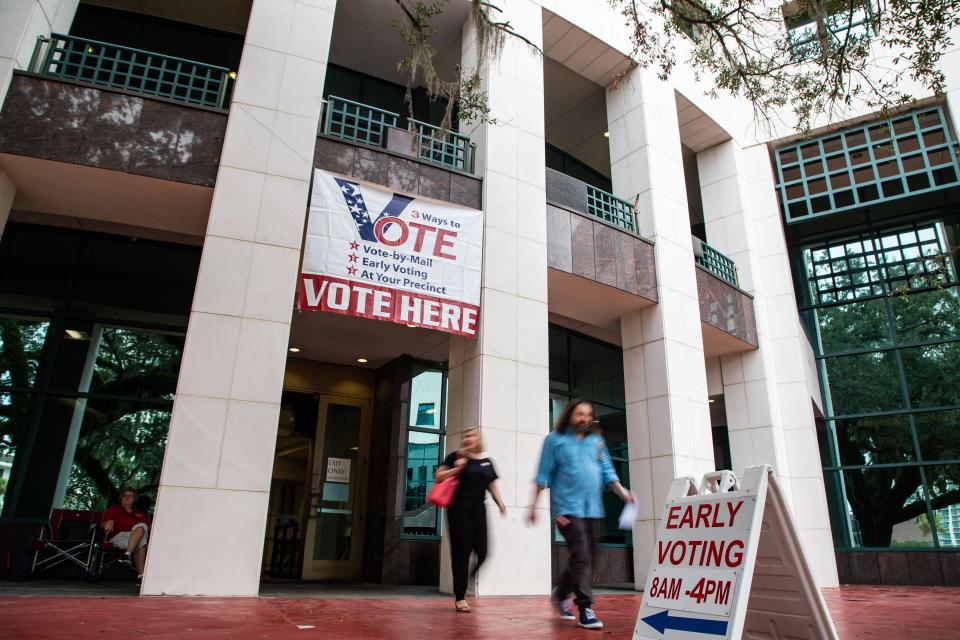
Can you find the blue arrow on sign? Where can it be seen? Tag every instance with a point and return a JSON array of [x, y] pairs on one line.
[[663, 621]]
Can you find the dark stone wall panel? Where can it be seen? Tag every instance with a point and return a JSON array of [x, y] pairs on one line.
[[370, 166], [392, 171], [611, 565], [434, 183], [646, 265], [54, 120], [465, 190], [899, 567], [726, 307], [334, 156], [559, 249], [605, 253], [581, 240], [585, 247], [566, 191], [402, 175]]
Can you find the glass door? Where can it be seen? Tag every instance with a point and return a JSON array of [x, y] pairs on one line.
[[334, 538]]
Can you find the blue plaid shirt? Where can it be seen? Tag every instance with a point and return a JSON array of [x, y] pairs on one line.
[[576, 472]]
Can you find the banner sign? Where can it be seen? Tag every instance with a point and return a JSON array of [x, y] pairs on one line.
[[374, 253], [727, 564]]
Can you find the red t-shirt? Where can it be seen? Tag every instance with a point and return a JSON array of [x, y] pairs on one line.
[[123, 521]]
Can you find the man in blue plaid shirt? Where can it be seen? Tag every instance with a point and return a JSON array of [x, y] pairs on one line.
[[575, 464]]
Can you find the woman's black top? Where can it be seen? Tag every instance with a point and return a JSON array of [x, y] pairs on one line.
[[476, 476]]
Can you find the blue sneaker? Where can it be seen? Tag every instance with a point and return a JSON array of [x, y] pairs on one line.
[[566, 611], [589, 620]]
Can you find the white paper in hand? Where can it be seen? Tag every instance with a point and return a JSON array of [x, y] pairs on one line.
[[629, 515]]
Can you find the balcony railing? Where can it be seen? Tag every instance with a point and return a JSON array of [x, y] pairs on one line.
[[610, 208], [715, 262], [364, 124], [356, 121], [451, 150], [144, 72]]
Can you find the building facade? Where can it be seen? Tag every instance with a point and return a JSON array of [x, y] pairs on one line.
[[724, 298]]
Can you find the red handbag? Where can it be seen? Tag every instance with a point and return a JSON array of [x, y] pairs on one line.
[[441, 493]]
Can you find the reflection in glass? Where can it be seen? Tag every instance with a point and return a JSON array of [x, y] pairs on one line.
[[559, 361], [887, 507], [926, 315], [341, 441], [944, 483], [860, 325], [874, 440], [597, 371], [14, 410], [426, 389], [121, 444], [939, 435], [932, 373], [613, 428], [864, 383], [21, 343], [419, 516], [132, 362]]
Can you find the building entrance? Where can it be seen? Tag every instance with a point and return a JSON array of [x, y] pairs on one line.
[[334, 526]]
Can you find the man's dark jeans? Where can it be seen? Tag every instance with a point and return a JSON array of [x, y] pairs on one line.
[[581, 537]]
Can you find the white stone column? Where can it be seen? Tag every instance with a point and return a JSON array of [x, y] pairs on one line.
[[212, 503], [668, 417], [21, 21], [768, 391], [500, 381]]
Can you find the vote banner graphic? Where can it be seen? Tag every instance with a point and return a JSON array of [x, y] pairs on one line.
[[373, 253]]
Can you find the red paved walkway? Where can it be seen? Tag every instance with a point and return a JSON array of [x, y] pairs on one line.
[[873, 613]]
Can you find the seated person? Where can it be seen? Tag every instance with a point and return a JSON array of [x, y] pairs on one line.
[[125, 527]]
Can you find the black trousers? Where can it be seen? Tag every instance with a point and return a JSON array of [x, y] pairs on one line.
[[581, 537], [468, 533]]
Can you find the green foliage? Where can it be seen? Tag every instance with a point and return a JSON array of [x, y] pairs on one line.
[[880, 498], [464, 92], [122, 441], [809, 57], [123, 435], [21, 343]]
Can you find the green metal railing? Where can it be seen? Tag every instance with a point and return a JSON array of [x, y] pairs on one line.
[[362, 123], [610, 208], [145, 72], [716, 263], [451, 150], [357, 122]]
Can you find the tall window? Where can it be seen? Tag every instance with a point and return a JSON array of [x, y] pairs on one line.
[[425, 430], [91, 337], [884, 307], [582, 367]]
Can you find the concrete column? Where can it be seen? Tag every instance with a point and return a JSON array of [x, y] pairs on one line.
[[668, 417], [500, 381], [8, 191], [769, 393], [21, 21], [212, 503]]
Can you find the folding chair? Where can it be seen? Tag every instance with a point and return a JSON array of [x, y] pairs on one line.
[[70, 536]]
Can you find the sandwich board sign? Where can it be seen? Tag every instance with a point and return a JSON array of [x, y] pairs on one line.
[[727, 564]]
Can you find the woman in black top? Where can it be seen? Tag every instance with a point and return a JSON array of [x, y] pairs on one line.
[[466, 515]]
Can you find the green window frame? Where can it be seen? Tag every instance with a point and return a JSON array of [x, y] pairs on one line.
[[883, 307], [878, 161]]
